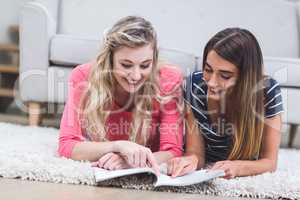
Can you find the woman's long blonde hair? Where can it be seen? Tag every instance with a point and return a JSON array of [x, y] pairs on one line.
[[97, 100], [244, 107]]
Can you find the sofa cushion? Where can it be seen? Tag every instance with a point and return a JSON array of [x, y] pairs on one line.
[[185, 61], [71, 50]]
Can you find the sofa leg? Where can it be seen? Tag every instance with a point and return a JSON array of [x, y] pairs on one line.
[[35, 116], [292, 133]]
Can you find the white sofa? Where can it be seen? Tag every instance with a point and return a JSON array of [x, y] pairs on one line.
[[55, 35]]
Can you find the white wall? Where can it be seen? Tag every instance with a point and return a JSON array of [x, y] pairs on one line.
[[9, 10]]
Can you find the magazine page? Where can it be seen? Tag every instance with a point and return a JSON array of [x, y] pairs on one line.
[[103, 174], [189, 179]]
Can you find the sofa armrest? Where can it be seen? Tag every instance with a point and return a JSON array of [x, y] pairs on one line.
[[37, 27], [52, 7], [285, 70]]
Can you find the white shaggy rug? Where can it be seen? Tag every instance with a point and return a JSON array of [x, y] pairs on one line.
[[29, 153]]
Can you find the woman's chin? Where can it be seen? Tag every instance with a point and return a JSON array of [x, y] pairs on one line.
[[214, 97], [131, 89]]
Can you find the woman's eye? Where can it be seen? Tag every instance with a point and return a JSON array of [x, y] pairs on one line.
[[225, 77], [207, 70], [126, 65], [144, 66]]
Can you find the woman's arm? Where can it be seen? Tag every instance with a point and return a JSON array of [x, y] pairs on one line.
[[170, 133], [194, 143], [194, 140], [136, 155], [171, 117], [92, 151], [194, 157], [267, 161]]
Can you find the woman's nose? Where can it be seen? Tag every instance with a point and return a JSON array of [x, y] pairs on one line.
[[136, 74], [212, 82]]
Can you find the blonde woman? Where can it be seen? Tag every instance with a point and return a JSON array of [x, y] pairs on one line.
[[237, 109], [123, 110]]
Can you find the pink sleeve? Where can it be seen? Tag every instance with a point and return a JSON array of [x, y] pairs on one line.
[[70, 130], [171, 120]]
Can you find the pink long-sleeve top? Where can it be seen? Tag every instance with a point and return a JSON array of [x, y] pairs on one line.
[[166, 116]]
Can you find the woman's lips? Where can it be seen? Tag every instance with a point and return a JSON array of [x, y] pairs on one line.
[[215, 92], [133, 84]]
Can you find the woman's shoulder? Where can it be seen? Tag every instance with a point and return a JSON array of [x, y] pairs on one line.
[[80, 72], [196, 76], [271, 86], [195, 82], [170, 79], [273, 101]]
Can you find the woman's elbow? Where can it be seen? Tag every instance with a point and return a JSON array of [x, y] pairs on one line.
[[272, 165], [76, 155], [66, 149], [62, 152], [201, 163]]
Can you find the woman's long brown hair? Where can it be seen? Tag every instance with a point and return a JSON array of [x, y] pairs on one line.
[[244, 104]]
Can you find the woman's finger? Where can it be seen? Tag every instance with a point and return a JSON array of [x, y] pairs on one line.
[[110, 161], [182, 163], [118, 167], [174, 163], [217, 165], [104, 159], [226, 169], [94, 164], [129, 159], [143, 159], [178, 168], [115, 163], [170, 165], [152, 162], [187, 169], [228, 175], [136, 158]]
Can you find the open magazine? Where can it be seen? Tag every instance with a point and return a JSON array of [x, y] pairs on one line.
[[161, 180]]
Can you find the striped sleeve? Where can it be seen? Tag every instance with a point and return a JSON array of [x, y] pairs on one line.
[[195, 94], [273, 100], [187, 84]]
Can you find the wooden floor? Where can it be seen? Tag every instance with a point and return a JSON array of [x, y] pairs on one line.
[[11, 189], [21, 119]]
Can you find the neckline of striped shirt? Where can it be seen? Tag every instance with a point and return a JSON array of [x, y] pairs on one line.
[[204, 104]]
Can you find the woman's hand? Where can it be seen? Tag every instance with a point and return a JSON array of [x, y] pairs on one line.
[[111, 161], [136, 155], [182, 165], [230, 168]]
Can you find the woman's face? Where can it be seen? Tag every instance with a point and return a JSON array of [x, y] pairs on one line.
[[219, 74], [132, 67]]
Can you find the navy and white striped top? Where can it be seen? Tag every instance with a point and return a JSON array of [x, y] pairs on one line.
[[217, 146]]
